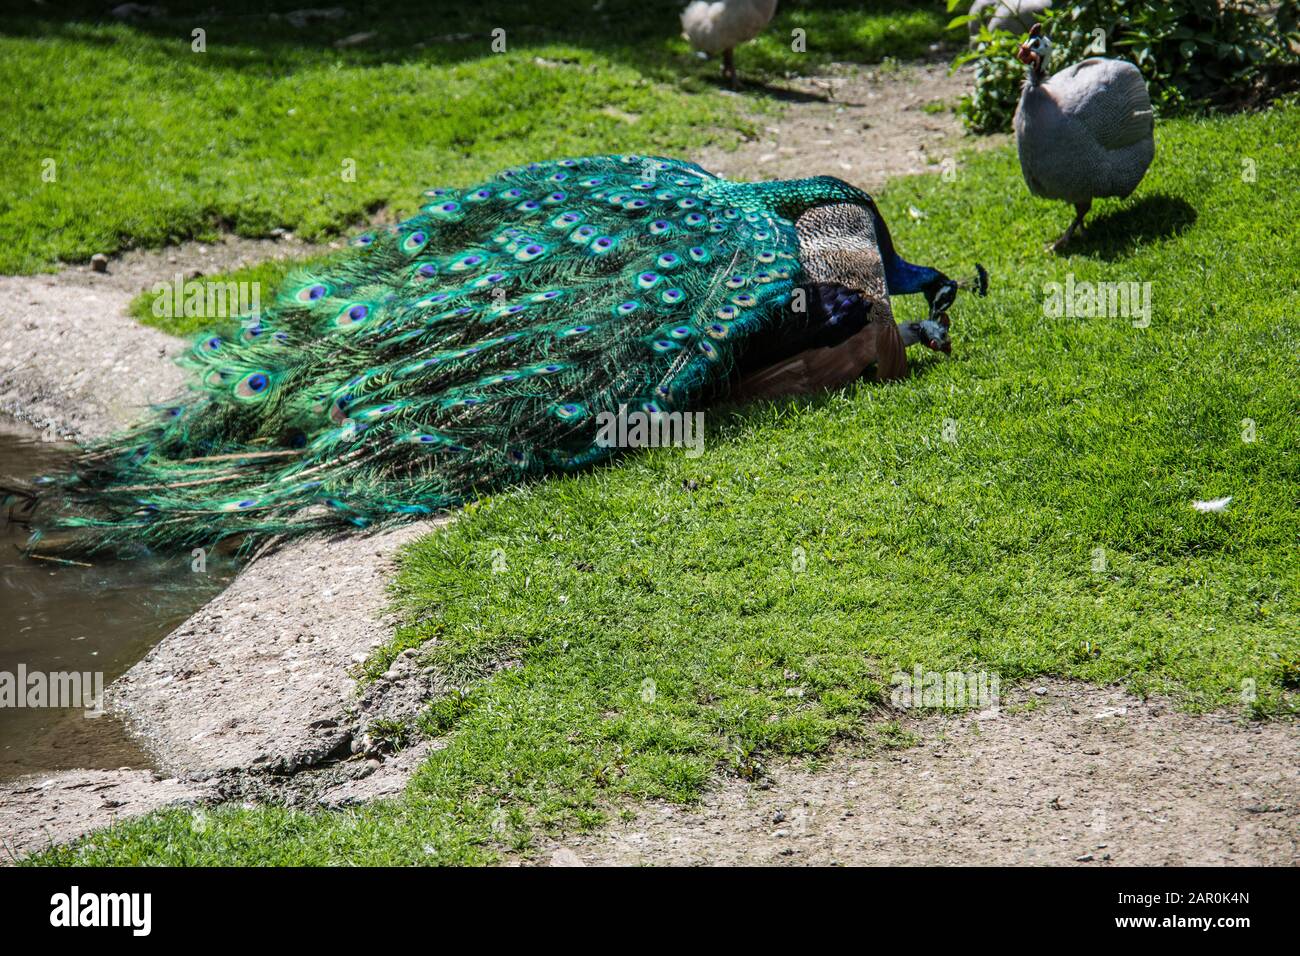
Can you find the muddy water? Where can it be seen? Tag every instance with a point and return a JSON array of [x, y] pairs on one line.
[[98, 620]]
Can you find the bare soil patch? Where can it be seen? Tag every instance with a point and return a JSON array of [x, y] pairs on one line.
[[44, 811], [860, 124], [1074, 776], [71, 359]]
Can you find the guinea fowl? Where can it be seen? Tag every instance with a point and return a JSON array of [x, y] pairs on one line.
[[479, 344], [1083, 133], [719, 26]]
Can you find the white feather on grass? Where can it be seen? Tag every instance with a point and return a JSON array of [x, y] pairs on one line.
[[1214, 504]]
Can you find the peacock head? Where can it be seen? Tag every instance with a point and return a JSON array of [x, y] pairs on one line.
[[940, 295], [941, 292], [1035, 51]]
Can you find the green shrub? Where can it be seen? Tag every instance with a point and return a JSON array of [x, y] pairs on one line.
[[1196, 55], [998, 77]]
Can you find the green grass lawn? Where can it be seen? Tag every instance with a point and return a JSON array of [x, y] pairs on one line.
[[659, 634], [149, 142]]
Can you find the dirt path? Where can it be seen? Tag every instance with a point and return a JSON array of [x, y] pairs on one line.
[[43, 811], [1089, 776], [863, 125], [69, 356]]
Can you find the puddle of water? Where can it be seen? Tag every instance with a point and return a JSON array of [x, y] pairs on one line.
[[100, 619]]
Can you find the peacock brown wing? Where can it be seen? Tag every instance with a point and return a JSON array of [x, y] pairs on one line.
[[838, 246], [838, 243], [876, 351]]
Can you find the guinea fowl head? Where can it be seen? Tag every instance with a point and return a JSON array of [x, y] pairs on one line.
[[1035, 51], [932, 333]]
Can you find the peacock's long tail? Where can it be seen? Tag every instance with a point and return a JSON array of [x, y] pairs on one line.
[[468, 348]]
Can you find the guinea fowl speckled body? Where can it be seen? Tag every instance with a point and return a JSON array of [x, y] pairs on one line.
[[476, 345], [1084, 133]]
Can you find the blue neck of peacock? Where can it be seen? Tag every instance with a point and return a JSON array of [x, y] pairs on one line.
[[901, 276], [904, 278]]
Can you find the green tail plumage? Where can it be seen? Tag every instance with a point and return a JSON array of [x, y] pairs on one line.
[[463, 350]]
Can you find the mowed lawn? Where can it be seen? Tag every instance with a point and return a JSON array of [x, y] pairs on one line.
[[1022, 507], [121, 134]]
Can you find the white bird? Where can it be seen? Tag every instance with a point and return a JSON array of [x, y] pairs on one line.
[[1014, 16], [719, 26], [1083, 133]]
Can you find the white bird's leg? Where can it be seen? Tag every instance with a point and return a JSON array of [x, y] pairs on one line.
[[1080, 210], [729, 67]]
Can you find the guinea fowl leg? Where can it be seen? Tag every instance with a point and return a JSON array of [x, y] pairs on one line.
[[1080, 210], [729, 68]]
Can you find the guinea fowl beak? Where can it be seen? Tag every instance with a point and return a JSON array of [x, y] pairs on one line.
[[1027, 56], [942, 344], [945, 346]]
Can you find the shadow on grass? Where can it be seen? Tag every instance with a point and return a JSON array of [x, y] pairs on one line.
[[1115, 234], [739, 416], [781, 94]]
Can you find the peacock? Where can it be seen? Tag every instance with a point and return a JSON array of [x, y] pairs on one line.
[[476, 345]]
